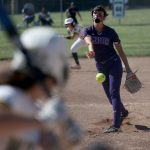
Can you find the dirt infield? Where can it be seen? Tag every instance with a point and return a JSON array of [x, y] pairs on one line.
[[89, 106]]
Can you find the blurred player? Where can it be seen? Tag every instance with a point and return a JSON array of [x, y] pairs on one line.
[[45, 18], [74, 31], [28, 12], [72, 11], [26, 110], [102, 42]]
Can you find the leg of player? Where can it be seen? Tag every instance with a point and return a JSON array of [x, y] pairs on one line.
[[124, 112], [115, 77], [74, 48], [112, 89], [76, 59]]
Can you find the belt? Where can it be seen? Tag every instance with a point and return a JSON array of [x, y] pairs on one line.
[[107, 60]]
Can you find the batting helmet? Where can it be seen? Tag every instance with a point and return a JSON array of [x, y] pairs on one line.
[[28, 9], [48, 53], [68, 21]]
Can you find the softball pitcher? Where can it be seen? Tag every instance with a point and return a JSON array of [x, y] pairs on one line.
[[102, 42], [74, 31]]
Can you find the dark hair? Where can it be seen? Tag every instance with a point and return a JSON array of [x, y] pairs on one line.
[[72, 3], [99, 8], [16, 78], [72, 24], [20, 79]]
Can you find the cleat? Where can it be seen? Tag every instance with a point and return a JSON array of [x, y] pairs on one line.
[[112, 129], [76, 67], [125, 115]]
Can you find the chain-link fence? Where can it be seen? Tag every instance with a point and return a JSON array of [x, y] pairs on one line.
[[15, 6]]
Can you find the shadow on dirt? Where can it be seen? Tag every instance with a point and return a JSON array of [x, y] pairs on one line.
[[142, 127]]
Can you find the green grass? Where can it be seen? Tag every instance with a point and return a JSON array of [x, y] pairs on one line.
[[133, 30]]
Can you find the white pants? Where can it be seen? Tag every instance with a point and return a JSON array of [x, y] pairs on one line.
[[77, 44]]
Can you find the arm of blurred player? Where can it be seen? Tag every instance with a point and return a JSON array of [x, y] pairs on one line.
[[67, 13], [79, 15], [55, 111], [11, 123], [72, 36]]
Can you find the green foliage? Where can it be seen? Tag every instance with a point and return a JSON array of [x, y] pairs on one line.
[[133, 30]]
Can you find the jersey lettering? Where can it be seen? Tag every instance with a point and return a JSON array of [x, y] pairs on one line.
[[100, 40]]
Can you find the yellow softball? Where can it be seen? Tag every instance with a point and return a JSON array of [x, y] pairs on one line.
[[100, 77]]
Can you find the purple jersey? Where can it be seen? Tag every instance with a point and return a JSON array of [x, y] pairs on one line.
[[102, 42], [72, 12]]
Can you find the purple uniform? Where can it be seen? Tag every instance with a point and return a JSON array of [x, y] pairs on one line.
[[109, 63], [72, 13], [102, 42]]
